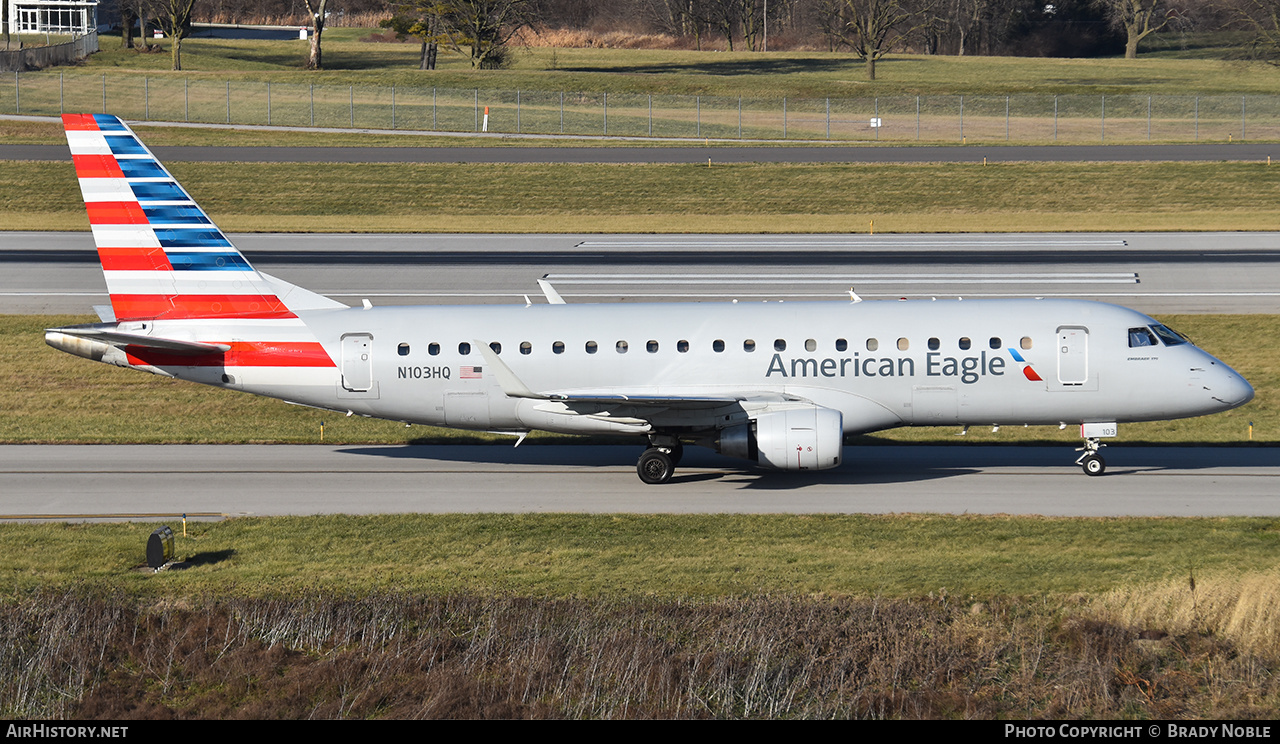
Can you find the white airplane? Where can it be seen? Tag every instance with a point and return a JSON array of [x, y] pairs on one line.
[[777, 383]]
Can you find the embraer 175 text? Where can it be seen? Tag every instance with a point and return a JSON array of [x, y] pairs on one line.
[[777, 383]]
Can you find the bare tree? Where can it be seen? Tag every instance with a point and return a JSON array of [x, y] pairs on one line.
[[317, 10], [482, 27], [1138, 19], [176, 22], [872, 28]]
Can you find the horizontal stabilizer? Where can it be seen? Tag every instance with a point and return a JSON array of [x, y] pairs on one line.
[[117, 338]]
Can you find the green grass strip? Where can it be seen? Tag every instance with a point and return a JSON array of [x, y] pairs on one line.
[[660, 555], [740, 198]]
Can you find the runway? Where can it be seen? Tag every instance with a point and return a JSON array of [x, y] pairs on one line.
[[721, 153], [154, 482], [1153, 272]]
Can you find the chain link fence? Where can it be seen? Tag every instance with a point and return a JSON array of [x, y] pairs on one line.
[[891, 119]]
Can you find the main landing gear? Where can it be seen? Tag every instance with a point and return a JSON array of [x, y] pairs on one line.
[[658, 463], [1091, 462]]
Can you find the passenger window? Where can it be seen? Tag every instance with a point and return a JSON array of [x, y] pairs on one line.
[[780, 345], [682, 346], [621, 347], [995, 343], [557, 347], [841, 344], [497, 347], [873, 344], [433, 349], [464, 348], [933, 344], [1026, 342], [903, 344], [965, 343], [717, 345], [749, 345], [526, 347], [1141, 337], [652, 347], [810, 345], [403, 349], [592, 347]]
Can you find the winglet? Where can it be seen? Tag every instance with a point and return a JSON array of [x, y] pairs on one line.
[[507, 380], [553, 297]]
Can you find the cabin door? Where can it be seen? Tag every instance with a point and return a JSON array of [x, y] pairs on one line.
[[357, 362]]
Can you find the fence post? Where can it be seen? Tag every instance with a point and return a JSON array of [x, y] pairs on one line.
[[650, 114], [311, 94], [517, 111], [393, 107], [739, 117], [104, 92], [268, 103], [186, 99], [917, 118], [1242, 113], [877, 113], [962, 119], [828, 118], [1148, 118], [1197, 118], [351, 93], [476, 92], [146, 98], [784, 117], [1055, 118], [433, 108], [228, 101], [561, 112], [1104, 118], [697, 102], [1006, 118], [606, 113], [61, 107], [17, 94]]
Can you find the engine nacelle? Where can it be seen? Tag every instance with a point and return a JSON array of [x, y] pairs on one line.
[[792, 439]]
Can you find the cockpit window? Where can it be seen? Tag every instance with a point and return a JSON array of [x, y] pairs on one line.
[[1169, 336], [1141, 337]]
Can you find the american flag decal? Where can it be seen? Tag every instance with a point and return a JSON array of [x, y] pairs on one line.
[[471, 373]]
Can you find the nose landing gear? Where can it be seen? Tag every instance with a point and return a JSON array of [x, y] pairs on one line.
[[1091, 462]]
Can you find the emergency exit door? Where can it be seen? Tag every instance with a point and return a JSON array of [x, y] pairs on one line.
[[1073, 355], [357, 362]]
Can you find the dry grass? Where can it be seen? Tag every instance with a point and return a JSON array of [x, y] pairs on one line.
[[86, 655], [1244, 608]]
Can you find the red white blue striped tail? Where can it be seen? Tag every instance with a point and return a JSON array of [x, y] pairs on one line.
[[163, 257]]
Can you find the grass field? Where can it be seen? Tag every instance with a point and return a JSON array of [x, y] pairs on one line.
[[963, 197], [349, 61]]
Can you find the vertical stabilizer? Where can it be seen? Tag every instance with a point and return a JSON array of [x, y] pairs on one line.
[[162, 256]]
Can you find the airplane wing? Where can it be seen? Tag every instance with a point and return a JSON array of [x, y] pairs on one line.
[[118, 338]]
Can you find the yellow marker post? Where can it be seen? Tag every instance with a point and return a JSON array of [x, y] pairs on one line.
[[322, 431], [873, 227], [1250, 431]]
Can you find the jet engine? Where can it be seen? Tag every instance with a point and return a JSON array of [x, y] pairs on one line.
[[809, 438]]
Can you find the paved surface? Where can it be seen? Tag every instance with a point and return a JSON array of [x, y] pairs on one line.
[[692, 154], [1153, 272], [117, 482]]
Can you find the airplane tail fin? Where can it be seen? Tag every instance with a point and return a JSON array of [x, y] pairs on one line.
[[162, 256]]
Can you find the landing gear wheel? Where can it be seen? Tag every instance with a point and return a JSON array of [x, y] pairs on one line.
[[1093, 464], [655, 466]]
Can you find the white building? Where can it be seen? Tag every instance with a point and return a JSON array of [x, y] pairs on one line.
[[72, 17]]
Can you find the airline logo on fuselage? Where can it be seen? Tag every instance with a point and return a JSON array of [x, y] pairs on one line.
[[969, 369]]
